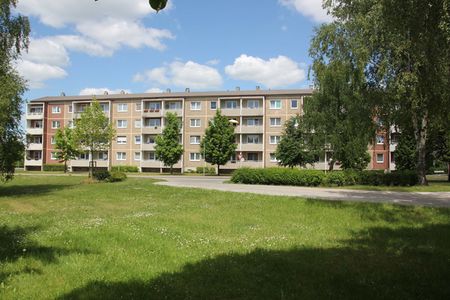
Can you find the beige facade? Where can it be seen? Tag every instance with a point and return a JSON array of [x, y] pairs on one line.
[[259, 118]]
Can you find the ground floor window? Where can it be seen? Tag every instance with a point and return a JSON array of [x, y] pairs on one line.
[[121, 155], [380, 158]]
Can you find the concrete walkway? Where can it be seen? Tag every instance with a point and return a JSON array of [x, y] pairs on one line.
[[436, 199]]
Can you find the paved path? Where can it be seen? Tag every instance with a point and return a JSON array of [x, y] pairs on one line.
[[438, 199]]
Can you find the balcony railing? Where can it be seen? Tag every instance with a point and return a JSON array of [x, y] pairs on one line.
[[33, 131], [250, 129], [251, 147], [152, 129], [252, 111]]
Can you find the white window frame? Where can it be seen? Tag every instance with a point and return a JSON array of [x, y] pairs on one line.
[[236, 106], [137, 123], [137, 139], [122, 107], [53, 156], [138, 106], [297, 101], [196, 105], [380, 161], [273, 104], [253, 106], [121, 155], [56, 109], [274, 139], [194, 142], [121, 140], [195, 156], [57, 126], [274, 159], [275, 125], [124, 124], [137, 157], [255, 121], [253, 139], [195, 123]]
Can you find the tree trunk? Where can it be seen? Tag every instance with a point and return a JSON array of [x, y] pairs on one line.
[[91, 167], [421, 132], [65, 166], [331, 165], [171, 170], [218, 170], [448, 172]]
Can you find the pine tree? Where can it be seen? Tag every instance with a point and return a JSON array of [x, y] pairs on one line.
[[168, 148]]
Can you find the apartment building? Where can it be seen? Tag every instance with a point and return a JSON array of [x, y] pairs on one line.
[[258, 117]]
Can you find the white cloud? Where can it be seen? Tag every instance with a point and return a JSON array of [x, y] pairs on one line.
[[309, 8], [276, 72], [213, 62], [189, 74], [101, 91], [82, 44], [154, 90], [36, 73]]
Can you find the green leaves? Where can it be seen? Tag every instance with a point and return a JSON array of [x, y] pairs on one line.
[[158, 4], [168, 148], [65, 143]]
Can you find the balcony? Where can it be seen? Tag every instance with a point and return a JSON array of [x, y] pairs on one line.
[[148, 147], [85, 163], [252, 111], [250, 129], [152, 113], [251, 147], [151, 164], [178, 112], [251, 164], [36, 115], [393, 147], [33, 162], [33, 146], [229, 112], [152, 130], [35, 131]]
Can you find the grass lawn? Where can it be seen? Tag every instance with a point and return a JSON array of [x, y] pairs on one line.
[[61, 239]]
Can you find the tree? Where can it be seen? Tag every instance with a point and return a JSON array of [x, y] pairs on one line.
[[219, 142], [14, 31], [403, 48], [65, 143], [168, 148], [293, 148], [93, 131]]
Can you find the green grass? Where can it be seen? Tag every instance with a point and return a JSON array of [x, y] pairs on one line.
[[61, 239]]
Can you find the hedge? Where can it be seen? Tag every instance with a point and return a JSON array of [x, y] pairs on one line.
[[207, 170], [53, 167], [127, 169], [113, 176], [298, 177]]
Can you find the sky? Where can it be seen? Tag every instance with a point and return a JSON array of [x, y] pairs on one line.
[[85, 47]]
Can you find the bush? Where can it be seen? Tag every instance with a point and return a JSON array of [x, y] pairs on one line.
[[208, 170], [54, 167], [117, 176], [297, 177], [127, 169], [101, 175]]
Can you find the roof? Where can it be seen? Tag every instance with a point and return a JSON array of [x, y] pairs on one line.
[[169, 95]]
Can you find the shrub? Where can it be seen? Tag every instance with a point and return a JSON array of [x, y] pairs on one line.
[[54, 167], [117, 176], [101, 175], [127, 169], [336, 178], [208, 170]]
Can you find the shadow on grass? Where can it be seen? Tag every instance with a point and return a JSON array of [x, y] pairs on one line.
[[37, 189], [405, 263], [15, 245]]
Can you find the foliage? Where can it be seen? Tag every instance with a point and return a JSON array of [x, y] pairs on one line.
[[101, 175], [168, 148], [107, 176], [117, 176], [14, 31], [93, 131], [219, 141], [206, 170], [54, 167], [158, 4], [405, 153], [126, 169], [65, 143], [293, 148], [298, 177]]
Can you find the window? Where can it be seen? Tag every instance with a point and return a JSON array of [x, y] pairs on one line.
[[196, 105], [150, 139], [252, 103], [252, 156], [70, 124], [195, 123], [173, 105], [121, 155], [294, 103], [275, 122], [83, 156], [380, 139], [53, 140], [195, 140], [275, 104], [273, 158], [138, 106], [137, 139], [153, 122], [54, 155], [253, 139], [122, 107], [275, 139], [56, 109], [121, 140], [231, 104], [154, 106], [137, 123], [213, 105], [137, 155], [103, 155], [254, 122], [56, 124], [122, 123], [70, 108], [195, 156], [151, 156], [104, 107], [380, 158]]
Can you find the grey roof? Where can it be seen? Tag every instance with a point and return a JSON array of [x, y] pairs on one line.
[[179, 95]]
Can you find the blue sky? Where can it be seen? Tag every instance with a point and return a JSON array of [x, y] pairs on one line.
[[84, 47]]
